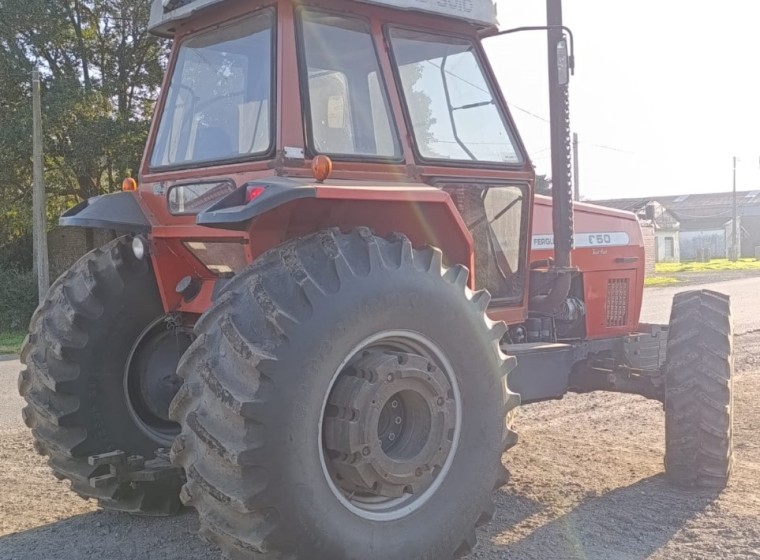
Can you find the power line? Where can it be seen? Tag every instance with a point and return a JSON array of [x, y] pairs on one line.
[[611, 148], [477, 87], [534, 115]]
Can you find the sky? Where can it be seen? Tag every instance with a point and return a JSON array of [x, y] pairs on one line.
[[665, 92]]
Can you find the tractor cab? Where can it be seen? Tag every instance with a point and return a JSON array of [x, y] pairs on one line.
[[398, 97], [362, 82]]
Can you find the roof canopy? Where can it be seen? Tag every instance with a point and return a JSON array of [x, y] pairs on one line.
[[481, 12], [165, 15]]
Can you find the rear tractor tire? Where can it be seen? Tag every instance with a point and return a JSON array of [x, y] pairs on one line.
[[346, 398], [698, 391], [100, 374]]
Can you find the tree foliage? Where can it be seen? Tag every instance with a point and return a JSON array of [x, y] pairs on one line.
[[101, 71]]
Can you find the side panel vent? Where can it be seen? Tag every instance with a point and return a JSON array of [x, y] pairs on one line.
[[617, 302]]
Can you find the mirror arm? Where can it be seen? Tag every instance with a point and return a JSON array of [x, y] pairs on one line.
[[564, 28]]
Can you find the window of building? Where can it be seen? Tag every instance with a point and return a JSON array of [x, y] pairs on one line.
[[669, 247]]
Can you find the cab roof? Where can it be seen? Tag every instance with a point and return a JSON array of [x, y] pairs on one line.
[[166, 15]]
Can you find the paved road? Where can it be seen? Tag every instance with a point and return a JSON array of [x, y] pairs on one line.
[[744, 294], [10, 401], [656, 310]]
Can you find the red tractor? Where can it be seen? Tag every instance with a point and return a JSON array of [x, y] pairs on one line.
[[335, 285]]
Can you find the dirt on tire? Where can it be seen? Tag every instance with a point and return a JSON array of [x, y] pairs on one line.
[[587, 483]]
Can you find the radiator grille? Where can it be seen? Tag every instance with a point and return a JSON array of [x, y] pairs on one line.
[[617, 302]]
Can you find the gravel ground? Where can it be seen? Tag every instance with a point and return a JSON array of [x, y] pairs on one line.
[[586, 484]]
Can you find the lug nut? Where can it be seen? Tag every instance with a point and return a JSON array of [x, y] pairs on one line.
[[394, 404], [365, 451], [440, 401], [390, 377]]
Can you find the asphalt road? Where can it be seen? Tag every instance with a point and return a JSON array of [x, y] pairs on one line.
[[746, 317], [10, 401]]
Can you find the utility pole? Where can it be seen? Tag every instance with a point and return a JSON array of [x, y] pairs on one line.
[[39, 203], [559, 115], [734, 238], [576, 173]]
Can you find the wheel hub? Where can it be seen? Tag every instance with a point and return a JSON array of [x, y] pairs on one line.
[[150, 379], [389, 424]]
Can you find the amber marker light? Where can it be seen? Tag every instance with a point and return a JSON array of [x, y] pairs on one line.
[[321, 166], [129, 184]]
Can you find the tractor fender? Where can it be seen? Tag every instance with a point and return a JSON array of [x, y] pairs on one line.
[[117, 211], [425, 214]]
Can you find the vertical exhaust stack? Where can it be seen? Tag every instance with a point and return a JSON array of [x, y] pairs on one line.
[[559, 106]]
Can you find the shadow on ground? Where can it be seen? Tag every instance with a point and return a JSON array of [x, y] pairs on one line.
[[628, 523], [106, 535]]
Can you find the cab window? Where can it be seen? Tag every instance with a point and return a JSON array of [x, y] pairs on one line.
[[453, 112], [218, 105], [346, 102]]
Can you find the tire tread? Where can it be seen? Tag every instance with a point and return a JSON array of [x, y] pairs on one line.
[[311, 267]]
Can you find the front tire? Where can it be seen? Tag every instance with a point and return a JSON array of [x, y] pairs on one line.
[[698, 390], [79, 403], [287, 406]]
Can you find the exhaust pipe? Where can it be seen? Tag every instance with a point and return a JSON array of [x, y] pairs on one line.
[[550, 302], [560, 66]]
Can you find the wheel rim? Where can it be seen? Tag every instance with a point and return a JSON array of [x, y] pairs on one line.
[[390, 425], [151, 381]]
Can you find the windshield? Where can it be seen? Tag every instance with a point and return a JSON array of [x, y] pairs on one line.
[[452, 108], [219, 102]]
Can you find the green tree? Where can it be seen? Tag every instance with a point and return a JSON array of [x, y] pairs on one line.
[[101, 72]]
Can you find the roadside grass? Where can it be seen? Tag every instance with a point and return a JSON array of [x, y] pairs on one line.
[[660, 281], [10, 342], [715, 265]]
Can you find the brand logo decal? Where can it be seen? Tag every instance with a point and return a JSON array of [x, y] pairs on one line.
[[584, 240]]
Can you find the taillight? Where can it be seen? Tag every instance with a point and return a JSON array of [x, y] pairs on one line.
[[253, 192]]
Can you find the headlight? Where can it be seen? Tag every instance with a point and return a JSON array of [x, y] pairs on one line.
[[139, 247]]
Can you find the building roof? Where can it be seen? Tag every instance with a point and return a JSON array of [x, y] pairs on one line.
[[694, 211]]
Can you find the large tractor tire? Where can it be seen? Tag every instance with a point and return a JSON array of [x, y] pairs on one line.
[[698, 390], [345, 399], [101, 360]]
